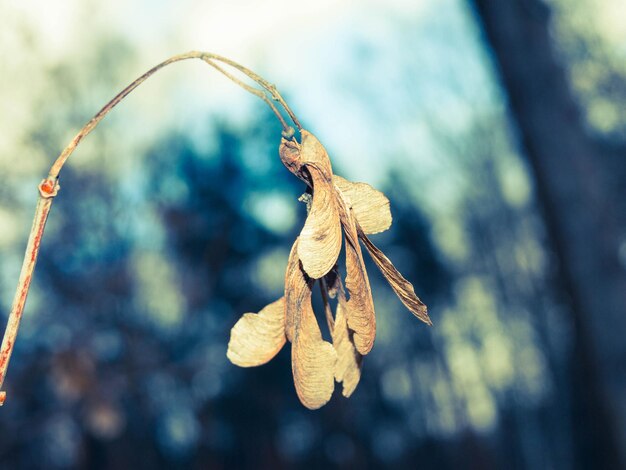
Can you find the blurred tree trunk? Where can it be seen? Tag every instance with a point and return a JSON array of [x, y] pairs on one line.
[[571, 177]]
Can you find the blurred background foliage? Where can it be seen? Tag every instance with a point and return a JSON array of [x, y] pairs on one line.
[[176, 216]]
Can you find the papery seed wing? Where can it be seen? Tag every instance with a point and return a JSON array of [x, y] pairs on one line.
[[297, 291], [370, 207], [312, 358], [321, 235], [348, 368], [320, 238], [294, 155], [360, 306], [403, 288], [312, 362], [289, 152], [257, 337], [313, 152]]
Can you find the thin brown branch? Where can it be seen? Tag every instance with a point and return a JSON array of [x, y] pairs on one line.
[[47, 191], [207, 57], [49, 187], [271, 89], [287, 130]]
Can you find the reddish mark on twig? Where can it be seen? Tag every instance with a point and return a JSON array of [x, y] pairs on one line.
[[23, 295], [4, 359], [5, 354], [47, 187], [30, 258], [39, 234]]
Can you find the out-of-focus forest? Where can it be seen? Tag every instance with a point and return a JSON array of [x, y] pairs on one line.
[[498, 131]]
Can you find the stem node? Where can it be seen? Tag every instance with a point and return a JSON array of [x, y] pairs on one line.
[[49, 188]]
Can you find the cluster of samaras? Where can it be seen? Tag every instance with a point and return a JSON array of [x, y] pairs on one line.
[[336, 207]]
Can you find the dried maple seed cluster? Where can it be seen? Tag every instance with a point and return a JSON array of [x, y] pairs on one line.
[[338, 209]]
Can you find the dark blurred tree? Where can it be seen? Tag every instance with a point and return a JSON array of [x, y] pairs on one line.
[[577, 190]]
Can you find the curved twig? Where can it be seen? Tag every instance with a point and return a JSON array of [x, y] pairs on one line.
[[49, 187]]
